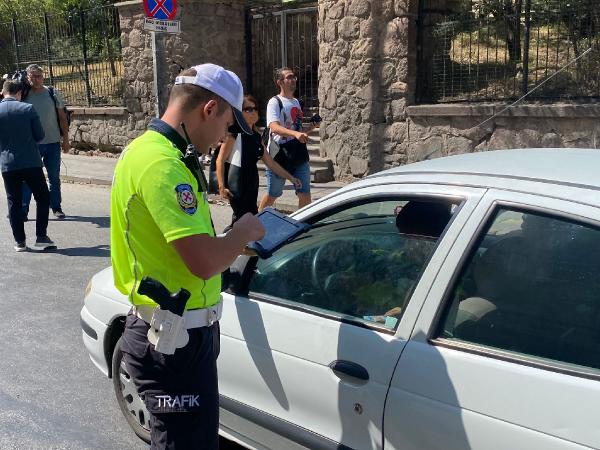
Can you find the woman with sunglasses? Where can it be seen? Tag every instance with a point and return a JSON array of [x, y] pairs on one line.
[[239, 182]]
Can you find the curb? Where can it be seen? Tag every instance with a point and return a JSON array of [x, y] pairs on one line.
[[283, 206], [84, 180]]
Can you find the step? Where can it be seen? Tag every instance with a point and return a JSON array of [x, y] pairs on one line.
[[321, 169]]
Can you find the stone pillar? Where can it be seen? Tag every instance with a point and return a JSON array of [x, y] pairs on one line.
[[367, 60], [211, 31]]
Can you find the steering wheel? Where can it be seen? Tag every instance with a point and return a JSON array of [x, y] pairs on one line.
[[337, 254]]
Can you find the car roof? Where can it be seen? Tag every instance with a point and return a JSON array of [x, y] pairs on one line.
[[576, 167]]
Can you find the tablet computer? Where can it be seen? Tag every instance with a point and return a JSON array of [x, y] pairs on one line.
[[279, 230]]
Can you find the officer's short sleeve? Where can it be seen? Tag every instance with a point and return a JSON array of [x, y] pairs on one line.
[[170, 193]]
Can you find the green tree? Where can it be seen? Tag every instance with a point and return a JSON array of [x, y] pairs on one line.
[[29, 8]]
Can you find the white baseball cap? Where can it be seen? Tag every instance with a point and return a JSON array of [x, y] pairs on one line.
[[224, 83]]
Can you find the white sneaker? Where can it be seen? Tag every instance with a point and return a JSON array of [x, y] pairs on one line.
[[21, 247]]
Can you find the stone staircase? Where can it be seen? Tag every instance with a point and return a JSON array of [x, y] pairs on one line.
[[321, 169]]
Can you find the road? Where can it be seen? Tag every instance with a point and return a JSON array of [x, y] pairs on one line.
[[51, 395]]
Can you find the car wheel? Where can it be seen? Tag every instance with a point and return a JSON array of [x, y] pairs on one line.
[[132, 406]]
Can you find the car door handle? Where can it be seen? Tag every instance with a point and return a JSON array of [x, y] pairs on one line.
[[349, 368]]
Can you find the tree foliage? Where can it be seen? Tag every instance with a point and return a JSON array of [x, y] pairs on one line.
[[30, 8]]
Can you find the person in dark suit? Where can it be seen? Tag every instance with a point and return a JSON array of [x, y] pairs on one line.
[[20, 162]]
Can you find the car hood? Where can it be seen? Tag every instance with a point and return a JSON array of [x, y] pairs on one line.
[[104, 284]]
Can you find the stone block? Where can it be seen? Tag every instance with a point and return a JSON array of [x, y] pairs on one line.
[[456, 145], [386, 9], [388, 73], [359, 8], [330, 100], [397, 89], [336, 11], [405, 7], [363, 49], [341, 48], [395, 38], [136, 39], [396, 132], [368, 92], [551, 140], [373, 112], [369, 28], [330, 32], [358, 166], [396, 110], [349, 28], [133, 105], [426, 149]]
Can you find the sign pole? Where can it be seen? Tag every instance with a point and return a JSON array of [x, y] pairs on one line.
[[160, 15], [155, 75], [159, 72]]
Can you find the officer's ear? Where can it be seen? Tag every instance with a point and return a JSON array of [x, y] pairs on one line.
[[210, 107]]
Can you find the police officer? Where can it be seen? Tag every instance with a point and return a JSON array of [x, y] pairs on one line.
[[161, 227]]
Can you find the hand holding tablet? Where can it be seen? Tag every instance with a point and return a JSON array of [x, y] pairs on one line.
[[279, 230]]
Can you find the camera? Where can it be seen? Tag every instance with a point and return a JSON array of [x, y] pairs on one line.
[[20, 76], [316, 119]]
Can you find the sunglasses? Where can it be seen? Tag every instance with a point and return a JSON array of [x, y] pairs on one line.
[[250, 109], [291, 77]]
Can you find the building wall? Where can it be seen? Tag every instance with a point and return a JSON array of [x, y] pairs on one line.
[[212, 31]]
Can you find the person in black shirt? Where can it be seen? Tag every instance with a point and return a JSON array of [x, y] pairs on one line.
[[238, 182]]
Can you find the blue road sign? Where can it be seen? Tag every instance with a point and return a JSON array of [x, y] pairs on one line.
[[160, 9]]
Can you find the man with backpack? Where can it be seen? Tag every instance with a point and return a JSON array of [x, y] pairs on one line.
[[49, 105], [284, 120]]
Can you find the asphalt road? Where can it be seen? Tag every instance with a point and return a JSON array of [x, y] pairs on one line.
[[51, 395]]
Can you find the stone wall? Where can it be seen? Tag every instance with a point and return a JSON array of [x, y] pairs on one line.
[[367, 70], [104, 129], [211, 31], [441, 130]]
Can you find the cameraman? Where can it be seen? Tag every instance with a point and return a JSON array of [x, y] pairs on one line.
[[20, 163]]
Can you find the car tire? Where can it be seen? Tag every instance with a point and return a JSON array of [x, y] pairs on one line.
[[132, 406]]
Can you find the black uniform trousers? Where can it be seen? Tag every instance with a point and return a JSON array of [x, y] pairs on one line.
[[180, 390], [13, 184]]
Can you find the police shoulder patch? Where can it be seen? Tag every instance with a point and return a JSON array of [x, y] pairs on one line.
[[186, 198]]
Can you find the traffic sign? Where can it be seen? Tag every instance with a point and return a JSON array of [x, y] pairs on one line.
[[164, 26], [160, 9]]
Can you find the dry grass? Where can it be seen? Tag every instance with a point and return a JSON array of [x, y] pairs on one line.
[[106, 88], [483, 67]]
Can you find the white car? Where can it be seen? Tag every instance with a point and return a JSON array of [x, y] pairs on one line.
[[447, 304]]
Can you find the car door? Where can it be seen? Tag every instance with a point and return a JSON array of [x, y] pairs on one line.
[[505, 353], [307, 357]]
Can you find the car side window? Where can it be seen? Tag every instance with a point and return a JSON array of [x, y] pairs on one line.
[[531, 287], [362, 261]]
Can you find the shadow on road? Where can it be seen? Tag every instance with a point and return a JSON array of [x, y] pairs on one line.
[[98, 250], [101, 222]]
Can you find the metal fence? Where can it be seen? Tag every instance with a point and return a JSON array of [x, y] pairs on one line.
[[283, 36], [80, 53], [549, 47]]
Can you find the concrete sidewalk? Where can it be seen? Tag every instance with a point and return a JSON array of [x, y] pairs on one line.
[[99, 170]]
